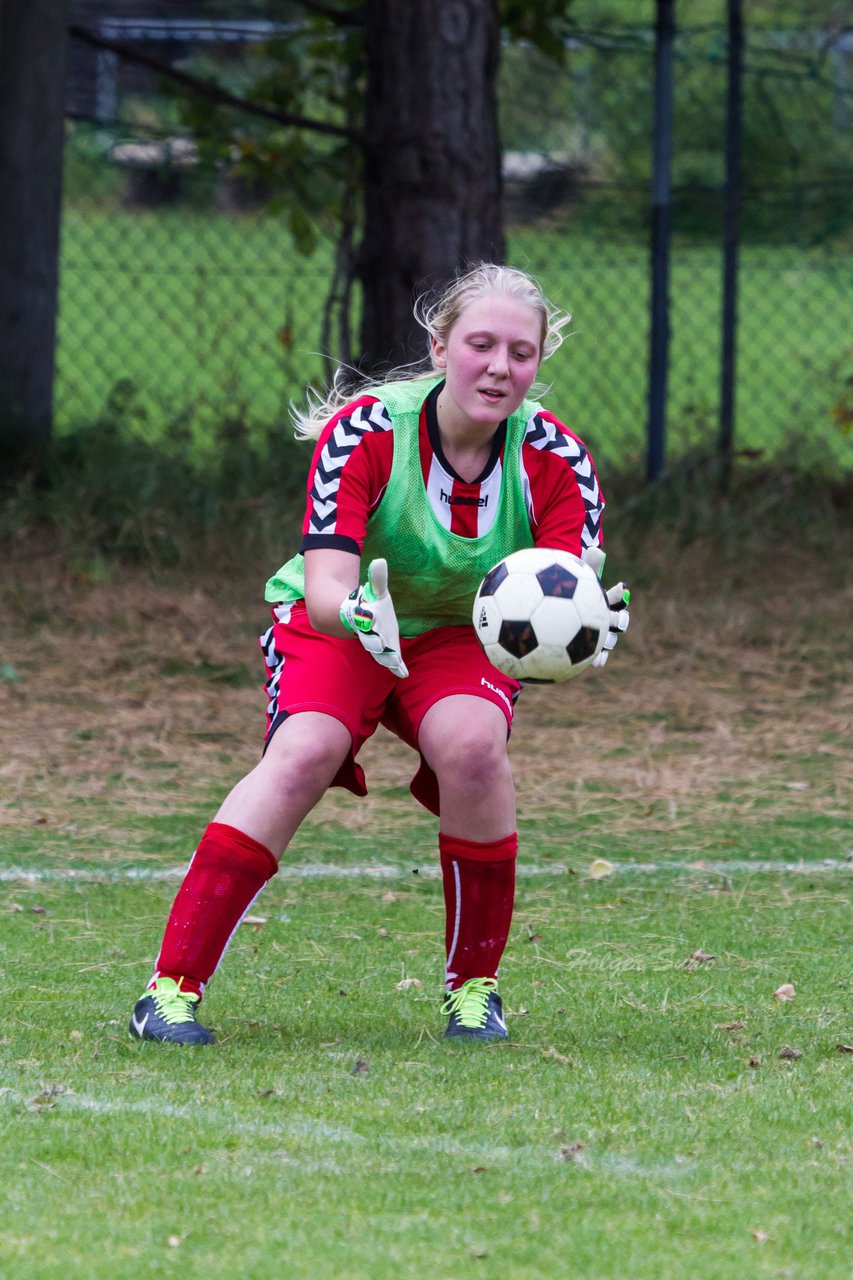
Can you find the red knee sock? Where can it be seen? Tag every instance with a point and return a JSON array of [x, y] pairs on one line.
[[227, 873], [479, 891]]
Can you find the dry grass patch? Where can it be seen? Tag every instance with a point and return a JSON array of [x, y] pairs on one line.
[[147, 695]]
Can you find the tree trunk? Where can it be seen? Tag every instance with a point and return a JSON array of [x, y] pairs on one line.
[[32, 98], [433, 162]]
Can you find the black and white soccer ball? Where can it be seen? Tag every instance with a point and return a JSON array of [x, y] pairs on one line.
[[541, 615]]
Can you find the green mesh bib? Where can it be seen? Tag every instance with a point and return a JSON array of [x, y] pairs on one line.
[[433, 574]]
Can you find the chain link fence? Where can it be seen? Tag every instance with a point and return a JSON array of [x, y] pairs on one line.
[[190, 300]]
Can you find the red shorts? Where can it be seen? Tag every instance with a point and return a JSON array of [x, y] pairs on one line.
[[310, 671]]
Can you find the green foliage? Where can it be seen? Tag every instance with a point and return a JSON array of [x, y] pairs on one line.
[[588, 103], [115, 497], [694, 503], [315, 71], [542, 25], [594, 113]]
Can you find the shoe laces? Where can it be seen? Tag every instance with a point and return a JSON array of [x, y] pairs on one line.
[[172, 1004], [469, 1004]]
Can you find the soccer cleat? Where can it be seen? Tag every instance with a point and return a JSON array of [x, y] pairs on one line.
[[476, 1011], [166, 1012]]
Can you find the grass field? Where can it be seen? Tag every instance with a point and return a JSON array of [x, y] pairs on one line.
[[658, 1114], [198, 317]]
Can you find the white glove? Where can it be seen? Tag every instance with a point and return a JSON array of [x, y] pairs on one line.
[[369, 613], [618, 597]]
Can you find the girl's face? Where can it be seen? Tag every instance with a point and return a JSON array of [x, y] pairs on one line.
[[490, 358]]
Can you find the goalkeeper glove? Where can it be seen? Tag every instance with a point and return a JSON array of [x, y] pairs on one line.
[[369, 613], [618, 598]]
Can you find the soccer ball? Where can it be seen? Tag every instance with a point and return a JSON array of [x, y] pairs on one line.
[[541, 616]]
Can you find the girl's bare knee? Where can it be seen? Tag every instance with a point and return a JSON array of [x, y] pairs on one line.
[[308, 744], [471, 764]]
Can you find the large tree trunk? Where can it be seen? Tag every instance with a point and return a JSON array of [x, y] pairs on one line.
[[33, 44], [433, 164]]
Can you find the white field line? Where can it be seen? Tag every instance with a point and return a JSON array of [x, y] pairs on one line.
[[375, 871], [300, 1127], [309, 1130]]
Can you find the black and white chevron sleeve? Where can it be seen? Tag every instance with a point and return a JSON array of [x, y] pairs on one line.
[[333, 457], [544, 434]]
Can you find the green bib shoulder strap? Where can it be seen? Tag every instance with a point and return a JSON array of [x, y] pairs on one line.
[[433, 574]]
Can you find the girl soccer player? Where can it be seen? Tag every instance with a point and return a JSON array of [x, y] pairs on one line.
[[428, 480]]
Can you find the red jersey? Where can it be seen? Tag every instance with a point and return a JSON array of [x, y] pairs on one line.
[[352, 464]]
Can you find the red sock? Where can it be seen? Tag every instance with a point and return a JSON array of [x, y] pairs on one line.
[[227, 873], [479, 891]]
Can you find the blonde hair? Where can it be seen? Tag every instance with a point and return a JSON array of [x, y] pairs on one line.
[[437, 314]]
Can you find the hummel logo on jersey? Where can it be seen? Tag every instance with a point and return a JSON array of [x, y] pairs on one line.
[[462, 501], [139, 1027]]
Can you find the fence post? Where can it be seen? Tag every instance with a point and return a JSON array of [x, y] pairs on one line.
[[731, 236], [661, 224]]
